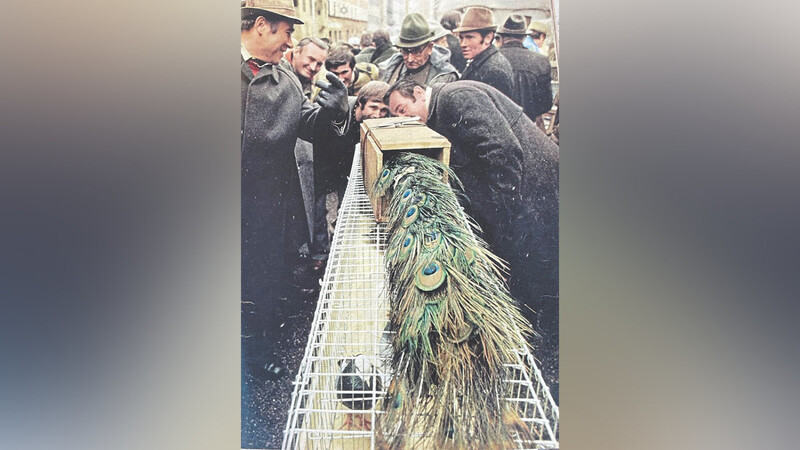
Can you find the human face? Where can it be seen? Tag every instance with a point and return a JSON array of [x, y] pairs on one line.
[[309, 60], [345, 73], [272, 45], [402, 106], [472, 44], [373, 109], [416, 57]]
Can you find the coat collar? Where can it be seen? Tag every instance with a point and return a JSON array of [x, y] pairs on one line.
[[483, 56], [432, 94], [513, 44], [267, 70]]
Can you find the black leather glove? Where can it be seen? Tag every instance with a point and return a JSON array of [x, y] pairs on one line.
[[333, 95]]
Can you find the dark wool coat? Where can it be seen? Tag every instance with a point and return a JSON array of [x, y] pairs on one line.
[[532, 88], [383, 53], [365, 55], [509, 169], [274, 114], [441, 70], [333, 156], [492, 68], [456, 57]]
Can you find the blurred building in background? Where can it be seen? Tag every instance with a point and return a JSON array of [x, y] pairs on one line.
[[337, 20]]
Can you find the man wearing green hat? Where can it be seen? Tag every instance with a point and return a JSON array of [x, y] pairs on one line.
[[484, 62], [419, 58]]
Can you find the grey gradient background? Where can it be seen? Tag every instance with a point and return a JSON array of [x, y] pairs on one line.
[[119, 247]]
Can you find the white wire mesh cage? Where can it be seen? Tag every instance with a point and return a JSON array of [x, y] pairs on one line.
[[348, 329]]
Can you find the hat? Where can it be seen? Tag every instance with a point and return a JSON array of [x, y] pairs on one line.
[[281, 8], [477, 18], [414, 31], [536, 25], [514, 25], [439, 32]]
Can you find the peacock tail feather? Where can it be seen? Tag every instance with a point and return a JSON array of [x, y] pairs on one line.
[[455, 324]]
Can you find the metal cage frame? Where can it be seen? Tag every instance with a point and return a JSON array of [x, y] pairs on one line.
[[351, 314]]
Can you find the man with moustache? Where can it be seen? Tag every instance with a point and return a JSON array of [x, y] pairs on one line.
[[484, 62], [509, 169], [274, 113]]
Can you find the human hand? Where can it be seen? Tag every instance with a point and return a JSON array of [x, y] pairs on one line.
[[333, 94]]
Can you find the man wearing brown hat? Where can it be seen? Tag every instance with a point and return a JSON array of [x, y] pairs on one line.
[[274, 113], [531, 77], [419, 57], [484, 62]]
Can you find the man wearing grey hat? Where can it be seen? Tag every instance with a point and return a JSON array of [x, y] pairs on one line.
[[531, 78], [419, 57], [274, 113], [484, 62]]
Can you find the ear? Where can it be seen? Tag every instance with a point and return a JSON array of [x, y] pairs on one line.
[[261, 24], [419, 93]]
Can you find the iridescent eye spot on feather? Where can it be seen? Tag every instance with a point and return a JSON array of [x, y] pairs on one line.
[[411, 215], [420, 199], [431, 277], [406, 194], [431, 269], [385, 175], [408, 244]]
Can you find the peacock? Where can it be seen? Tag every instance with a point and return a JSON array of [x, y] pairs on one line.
[[453, 321]]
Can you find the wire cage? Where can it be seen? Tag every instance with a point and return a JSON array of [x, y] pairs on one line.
[[348, 326]]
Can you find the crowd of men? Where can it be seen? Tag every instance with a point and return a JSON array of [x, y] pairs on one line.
[[485, 89]]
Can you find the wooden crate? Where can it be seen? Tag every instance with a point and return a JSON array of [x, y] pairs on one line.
[[381, 138]]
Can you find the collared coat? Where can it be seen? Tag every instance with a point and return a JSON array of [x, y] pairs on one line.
[[492, 68], [365, 55], [509, 169], [383, 53], [274, 113], [532, 89], [333, 156], [441, 70]]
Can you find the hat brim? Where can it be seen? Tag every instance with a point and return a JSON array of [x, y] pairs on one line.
[[251, 11], [464, 29], [411, 44]]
